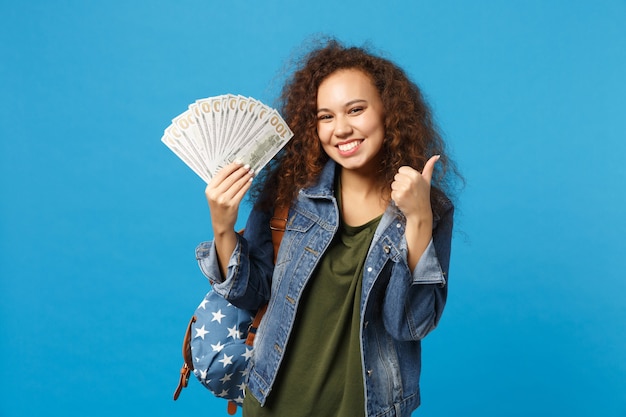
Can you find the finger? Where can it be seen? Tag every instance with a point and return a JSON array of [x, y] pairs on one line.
[[401, 184], [242, 182], [427, 173], [406, 174], [407, 171], [243, 190], [232, 186], [227, 176], [237, 178], [227, 171]]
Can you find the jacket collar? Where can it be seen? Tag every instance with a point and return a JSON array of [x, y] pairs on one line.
[[325, 185], [324, 188]]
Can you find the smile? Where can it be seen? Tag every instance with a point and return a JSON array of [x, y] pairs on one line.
[[346, 147]]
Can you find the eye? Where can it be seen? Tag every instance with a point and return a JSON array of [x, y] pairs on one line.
[[356, 110], [324, 117]]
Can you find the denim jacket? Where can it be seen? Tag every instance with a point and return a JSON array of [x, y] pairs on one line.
[[398, 307]]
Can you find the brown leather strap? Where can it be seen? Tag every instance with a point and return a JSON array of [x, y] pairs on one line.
[[278, 224], [187, 344], [183, 380], [255, 325], [231, 408], [187, 367]]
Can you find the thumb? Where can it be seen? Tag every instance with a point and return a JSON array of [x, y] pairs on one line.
[[427, 173]]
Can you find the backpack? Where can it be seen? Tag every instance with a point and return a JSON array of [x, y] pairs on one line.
[[219, 338]]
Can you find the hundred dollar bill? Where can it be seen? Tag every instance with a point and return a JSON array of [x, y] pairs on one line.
[[196, 110], [184, 146], [251, 116], [187, 126], [264, 145], [205, 109], [221, 135], [218, 130], [175, 146], [241, 115]]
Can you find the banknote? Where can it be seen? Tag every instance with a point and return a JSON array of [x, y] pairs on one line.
[[259, 149], [216, 131], [176, 147]]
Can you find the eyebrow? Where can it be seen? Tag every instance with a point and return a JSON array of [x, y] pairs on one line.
[[348, 104]]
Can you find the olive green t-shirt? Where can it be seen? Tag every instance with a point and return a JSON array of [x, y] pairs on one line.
[[321, 373]]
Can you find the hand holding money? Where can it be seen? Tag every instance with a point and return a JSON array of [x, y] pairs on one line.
[[224, 194]]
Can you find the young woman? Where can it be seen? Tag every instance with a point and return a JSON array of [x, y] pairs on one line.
[[361, 275]]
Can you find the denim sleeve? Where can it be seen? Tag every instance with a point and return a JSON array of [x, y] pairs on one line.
[[414, 301], [249, 271]]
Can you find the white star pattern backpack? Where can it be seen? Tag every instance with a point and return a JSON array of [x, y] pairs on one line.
[[219, 339]]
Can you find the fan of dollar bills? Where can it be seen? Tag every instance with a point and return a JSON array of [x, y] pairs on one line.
[[216, 131]]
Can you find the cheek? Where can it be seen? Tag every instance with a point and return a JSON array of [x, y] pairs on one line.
[[375, 125], [324, 132]]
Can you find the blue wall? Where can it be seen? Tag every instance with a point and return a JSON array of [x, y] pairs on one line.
[[99, 220]]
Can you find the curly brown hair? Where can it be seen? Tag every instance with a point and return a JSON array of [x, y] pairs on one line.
[[411, 136]]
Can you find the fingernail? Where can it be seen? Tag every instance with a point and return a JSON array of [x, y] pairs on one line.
[[246, 166]]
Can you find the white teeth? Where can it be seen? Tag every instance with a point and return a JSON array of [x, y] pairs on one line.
[[345, 147]]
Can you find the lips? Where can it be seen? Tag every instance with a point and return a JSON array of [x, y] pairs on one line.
[[349, 146]]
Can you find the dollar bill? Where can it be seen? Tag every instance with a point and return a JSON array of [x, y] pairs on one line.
[[184, 156], [259, 149], [216, 131]]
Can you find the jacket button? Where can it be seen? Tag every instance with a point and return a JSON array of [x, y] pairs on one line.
[[386, 249], [369, 269], [369, 372]]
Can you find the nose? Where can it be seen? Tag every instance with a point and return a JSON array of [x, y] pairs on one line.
[[343, 127]]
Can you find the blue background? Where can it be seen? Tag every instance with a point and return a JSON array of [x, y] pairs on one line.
[[99, 220]]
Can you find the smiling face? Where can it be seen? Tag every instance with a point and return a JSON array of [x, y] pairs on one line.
[[350, 120]]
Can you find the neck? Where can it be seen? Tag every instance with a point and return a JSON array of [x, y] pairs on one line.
[[362, 197], [358, 184]]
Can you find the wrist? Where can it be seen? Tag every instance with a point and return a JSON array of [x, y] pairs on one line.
[[420, 220], [220, 234]]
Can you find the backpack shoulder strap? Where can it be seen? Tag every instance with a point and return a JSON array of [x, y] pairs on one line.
[[278, 224]]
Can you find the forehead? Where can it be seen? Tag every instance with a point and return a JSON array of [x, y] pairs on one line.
[[347, 84]]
